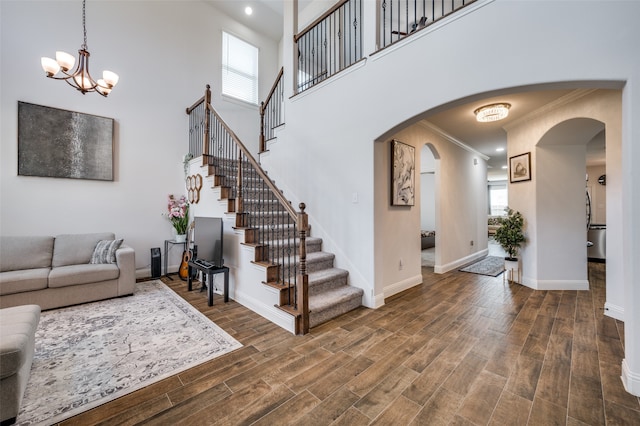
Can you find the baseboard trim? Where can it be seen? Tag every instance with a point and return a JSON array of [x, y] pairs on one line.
[[403, 285], [271, 313], [630, 380], [555, 284], [441, 269], [614, 311]]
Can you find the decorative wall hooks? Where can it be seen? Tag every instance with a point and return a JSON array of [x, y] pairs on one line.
[[194, 185]]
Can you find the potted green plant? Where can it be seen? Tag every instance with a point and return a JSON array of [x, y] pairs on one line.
[[510, 236]]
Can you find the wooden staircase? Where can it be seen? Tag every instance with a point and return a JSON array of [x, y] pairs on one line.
[[329, 293]]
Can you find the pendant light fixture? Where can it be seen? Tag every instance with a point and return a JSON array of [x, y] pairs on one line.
[[80, 78]]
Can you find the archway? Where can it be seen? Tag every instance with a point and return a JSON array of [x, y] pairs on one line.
[[560, 199]]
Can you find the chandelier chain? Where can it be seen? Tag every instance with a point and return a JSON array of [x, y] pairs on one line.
[[84, 24]]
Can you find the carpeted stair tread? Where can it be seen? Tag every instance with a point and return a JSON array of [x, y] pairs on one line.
[[327, 279], [333, 303]]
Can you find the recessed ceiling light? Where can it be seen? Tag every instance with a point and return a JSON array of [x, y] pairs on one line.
[[504, 167], [248, 10], [499, 149]]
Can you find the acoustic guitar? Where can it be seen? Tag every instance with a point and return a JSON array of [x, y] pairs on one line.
[[183, 271]]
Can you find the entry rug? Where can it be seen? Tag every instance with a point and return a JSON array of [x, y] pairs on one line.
[[90, 354], [490, 265]]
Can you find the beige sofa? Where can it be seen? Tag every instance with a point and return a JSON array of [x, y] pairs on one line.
[[17, 345], [53, 272]]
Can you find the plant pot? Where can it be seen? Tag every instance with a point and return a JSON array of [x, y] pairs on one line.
[[512, 269], [181, 238]]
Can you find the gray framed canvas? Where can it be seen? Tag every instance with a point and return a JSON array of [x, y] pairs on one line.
[[403, 167], [58, 143]]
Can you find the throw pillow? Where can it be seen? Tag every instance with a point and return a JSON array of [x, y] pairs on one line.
[[105, 251]]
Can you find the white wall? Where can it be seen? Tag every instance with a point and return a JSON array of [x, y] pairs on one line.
[[165, 54]]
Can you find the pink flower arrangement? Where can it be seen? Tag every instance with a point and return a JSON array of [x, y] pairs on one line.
[[178, 213]]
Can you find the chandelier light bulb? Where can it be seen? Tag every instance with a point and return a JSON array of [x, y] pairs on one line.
[[65, 60], [110, 78], [50, 66]]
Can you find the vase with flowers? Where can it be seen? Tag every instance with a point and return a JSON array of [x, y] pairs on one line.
[[178, 214]]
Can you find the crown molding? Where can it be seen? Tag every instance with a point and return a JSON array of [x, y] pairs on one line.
[[545, 109], [428, 125]]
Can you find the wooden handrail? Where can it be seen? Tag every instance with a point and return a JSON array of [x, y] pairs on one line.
[[197, 103], [285, 203], [272, 91], [322, 17]]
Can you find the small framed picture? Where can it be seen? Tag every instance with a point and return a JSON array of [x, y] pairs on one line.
[[520, 167]]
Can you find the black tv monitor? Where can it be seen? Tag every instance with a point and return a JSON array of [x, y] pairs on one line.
[[207, 236]]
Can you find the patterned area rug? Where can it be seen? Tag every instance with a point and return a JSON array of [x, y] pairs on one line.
[[490, 265], [90, 354]]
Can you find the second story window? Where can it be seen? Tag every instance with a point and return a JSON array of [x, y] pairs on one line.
[[239, 69]]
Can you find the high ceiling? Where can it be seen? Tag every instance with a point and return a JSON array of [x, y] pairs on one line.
[[457, 121]]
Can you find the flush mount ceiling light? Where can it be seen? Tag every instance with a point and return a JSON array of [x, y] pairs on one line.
[[248, 10], [493, 112], [79, 79]]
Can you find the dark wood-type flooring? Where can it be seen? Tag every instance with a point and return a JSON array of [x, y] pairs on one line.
[[460, 349]]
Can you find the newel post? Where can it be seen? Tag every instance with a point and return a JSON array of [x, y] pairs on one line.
[[302, 293], [262, 144], [207, 118]]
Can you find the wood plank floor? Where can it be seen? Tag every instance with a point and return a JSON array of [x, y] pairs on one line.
[[460, 349]]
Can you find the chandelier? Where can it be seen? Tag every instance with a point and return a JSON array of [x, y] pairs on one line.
[[80, 78], [493, 112]]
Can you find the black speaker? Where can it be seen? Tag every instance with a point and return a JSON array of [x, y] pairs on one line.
[[156, 260]]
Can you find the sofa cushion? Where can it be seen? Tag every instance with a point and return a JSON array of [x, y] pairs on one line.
[[76, 249], [18, 253], [105, 251], [17, 327], [25, 280], [82, 274]]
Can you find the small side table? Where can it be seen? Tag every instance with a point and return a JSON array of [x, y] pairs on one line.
[[166, 253], [209, 273]]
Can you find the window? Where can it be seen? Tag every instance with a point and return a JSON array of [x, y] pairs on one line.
[[497, 198], [239, 69]]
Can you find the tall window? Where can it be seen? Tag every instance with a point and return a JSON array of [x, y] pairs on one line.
[[239, 69], [497, 198]]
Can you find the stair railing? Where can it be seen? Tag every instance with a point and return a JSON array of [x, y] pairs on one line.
[[329, 44], [271, 111], [271, 224]]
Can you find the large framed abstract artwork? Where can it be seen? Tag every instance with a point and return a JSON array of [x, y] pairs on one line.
[[403, 182], [64, 144]]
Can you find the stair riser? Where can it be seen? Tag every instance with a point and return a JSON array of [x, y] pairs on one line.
[[267, 235], [315, 289], [268, 218], [312, 266], [276, 252], [317, 318]]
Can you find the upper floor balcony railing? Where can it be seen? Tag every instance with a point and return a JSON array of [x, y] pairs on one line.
[[336, 40], [330, 44], [401, 18]]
